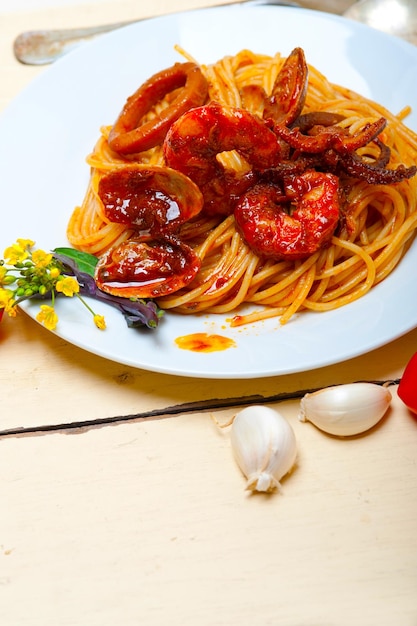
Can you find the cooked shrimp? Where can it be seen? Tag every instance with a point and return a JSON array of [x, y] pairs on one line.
[[197, 137], [271, 230]]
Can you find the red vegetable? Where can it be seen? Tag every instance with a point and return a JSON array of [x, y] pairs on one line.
[[407, 389]]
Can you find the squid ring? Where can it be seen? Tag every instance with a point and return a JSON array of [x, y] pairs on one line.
[[129, 136]]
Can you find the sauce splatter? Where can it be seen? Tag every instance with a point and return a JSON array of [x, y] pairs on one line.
[[203, 342]]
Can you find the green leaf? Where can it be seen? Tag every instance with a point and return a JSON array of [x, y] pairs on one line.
[[85, 262]]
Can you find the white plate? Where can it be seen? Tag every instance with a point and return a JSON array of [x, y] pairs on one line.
[[49, 129]]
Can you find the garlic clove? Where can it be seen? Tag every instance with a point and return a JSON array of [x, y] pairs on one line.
[[345, 410], [264, 447]]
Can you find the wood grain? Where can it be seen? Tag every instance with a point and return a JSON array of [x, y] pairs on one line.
[[147, 522]]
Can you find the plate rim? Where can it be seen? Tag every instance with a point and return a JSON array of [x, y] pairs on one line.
[[68, 60]]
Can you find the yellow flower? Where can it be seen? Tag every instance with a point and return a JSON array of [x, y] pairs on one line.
[[41, 258], [100, 322], [11, 310], [7, 302], [25, 243], [18, 251], [35, 273], [14, 253], [68, 286], [54, 272], [47, 316]]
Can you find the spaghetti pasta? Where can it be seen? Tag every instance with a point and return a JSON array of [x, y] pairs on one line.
[[378, 225]]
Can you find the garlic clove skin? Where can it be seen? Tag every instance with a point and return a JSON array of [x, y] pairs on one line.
[[264, 446], [345, 410]]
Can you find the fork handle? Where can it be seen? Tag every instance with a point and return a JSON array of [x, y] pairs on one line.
[[40, 47]]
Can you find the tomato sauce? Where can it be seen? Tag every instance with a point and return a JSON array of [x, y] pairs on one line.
[[203, 342]]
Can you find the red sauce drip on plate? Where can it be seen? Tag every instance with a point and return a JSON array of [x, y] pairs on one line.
[[203, 342]]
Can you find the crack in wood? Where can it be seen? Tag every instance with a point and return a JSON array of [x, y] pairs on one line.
[[212, 404]]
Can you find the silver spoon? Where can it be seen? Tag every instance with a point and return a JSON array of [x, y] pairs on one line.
[[396, 17], [40, 47]]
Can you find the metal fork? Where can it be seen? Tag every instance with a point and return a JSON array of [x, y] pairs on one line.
[[40, 47]]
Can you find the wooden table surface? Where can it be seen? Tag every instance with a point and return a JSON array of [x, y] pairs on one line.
[[146, 521]]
